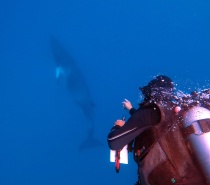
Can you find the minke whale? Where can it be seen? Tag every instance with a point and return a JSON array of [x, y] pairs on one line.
[[67, 69]]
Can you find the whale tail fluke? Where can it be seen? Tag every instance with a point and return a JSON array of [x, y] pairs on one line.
[[90, 142]]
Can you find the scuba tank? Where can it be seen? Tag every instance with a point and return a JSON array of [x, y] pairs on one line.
[[196, 123]]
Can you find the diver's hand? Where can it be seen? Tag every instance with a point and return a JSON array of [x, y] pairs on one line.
[[127, 104], [119, 122]]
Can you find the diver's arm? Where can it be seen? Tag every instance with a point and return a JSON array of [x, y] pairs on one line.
[[136, 124], [132, 111], [127, 105]]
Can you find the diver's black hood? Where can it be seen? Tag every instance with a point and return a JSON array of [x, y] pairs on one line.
[[159, 88]]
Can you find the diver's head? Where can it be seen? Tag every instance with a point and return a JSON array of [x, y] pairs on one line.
[[160, 88]]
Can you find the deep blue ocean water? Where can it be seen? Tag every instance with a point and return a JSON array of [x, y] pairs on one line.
[[118, 45]]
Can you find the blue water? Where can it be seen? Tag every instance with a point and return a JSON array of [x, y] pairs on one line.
[[118, 45]]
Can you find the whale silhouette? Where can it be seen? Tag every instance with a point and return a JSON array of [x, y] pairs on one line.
[[67, 69]]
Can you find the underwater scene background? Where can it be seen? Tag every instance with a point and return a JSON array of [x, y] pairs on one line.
[[116, 47]]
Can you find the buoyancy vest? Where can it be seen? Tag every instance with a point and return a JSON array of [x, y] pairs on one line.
[[162, 154]]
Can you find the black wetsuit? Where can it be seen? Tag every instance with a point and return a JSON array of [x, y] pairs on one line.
[[165, 158], [146, 116]]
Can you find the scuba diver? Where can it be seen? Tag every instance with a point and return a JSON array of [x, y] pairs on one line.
[[169, 135]]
